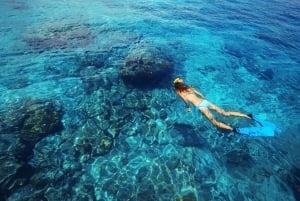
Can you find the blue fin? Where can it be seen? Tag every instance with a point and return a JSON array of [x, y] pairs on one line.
[[256, 131], [267, 124]]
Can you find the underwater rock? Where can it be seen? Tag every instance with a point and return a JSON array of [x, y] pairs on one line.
[[13, 175], [27, 121], [239, 158], [147, 192], [58, 35], [145, 175], [172, 162], [136, 100], [187, 194], [41, 118], [56, 194], [146, 67], [9, 167], [45, 176], [82, 146], [163, 114], [7, 143], [92, 140], [32, 119], [21, 151], [103, 147]]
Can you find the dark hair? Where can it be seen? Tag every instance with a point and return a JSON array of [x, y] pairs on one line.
[[180, 86]]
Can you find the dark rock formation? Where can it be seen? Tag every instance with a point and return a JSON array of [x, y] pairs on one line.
[[146, 67], [27, 122], [32, 119], [239, 158]]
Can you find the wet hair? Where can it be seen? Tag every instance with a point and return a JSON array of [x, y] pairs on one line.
[[180, 86]]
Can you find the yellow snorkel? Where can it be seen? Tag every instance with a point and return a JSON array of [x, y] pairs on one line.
[[176, 80]]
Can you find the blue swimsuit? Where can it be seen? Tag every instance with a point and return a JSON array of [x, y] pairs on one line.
[[203, 104]]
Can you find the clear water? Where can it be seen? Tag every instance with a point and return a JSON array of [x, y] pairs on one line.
[[124, 143]]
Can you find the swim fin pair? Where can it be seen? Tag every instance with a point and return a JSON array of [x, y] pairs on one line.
[[267, 124], [266, 128]]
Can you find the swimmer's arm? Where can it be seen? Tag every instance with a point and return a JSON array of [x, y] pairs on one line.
[[187, 106]]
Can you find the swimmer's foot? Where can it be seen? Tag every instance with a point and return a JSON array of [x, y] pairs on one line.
[[250, 116], [235, 130]]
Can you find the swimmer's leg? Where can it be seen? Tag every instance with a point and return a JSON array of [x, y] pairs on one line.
[[227, 113], [212, 119]]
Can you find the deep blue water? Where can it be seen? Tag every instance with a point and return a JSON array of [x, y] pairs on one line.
[[72, 128]]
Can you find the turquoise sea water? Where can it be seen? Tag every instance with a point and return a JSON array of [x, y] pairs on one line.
[[72, 129]]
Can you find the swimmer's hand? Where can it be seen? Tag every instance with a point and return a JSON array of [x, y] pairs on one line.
[[188, 109]]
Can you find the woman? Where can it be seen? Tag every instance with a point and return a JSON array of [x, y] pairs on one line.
[[190, 95]]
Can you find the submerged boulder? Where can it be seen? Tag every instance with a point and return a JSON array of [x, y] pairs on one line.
[[23, 123], [42, 118], [146, 67], [32, 119], [8, 171]]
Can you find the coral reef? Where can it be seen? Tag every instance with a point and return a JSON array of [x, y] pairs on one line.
[[32, 119], [58, 35], [27, 122], [146, 66], [40, 119]]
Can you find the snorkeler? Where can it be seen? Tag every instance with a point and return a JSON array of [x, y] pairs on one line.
[[190, 95]]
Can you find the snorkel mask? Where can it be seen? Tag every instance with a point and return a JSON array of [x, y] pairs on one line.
[[176, 80]]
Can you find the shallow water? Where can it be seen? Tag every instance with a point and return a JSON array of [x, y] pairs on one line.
[[72, 129]]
